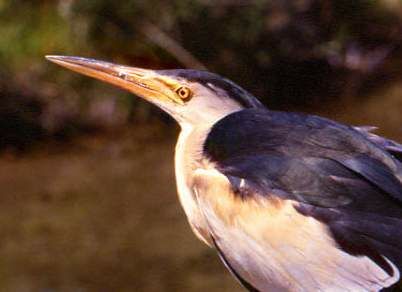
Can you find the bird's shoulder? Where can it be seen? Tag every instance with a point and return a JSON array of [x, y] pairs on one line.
[[297, 151], [254, 131]]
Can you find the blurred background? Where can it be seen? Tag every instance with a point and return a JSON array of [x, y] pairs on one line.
[[88, 200]]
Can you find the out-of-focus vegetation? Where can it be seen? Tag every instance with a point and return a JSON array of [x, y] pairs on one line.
[[80, 207], [292, 54]]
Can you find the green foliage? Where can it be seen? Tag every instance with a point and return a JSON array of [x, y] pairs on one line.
[[28, 32]]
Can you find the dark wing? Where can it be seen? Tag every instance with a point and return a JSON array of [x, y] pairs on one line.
[[390, 146], [339, 175]]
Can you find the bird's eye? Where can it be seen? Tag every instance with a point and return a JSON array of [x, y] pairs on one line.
[[184, 92]]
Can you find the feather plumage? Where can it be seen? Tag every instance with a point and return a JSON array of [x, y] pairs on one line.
[[344, 177]]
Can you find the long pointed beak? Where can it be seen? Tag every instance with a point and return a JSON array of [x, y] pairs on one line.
[[142, 82]]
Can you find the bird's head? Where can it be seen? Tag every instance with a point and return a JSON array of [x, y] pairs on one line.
[[191, 97]]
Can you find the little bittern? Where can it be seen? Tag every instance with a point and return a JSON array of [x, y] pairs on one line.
[[291, 202]]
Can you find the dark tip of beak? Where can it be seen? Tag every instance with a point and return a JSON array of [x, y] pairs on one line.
[[70, 59], [80, 61], [56, 57]]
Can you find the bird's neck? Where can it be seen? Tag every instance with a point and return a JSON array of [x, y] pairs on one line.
[[191, 142], [188, 157], [188, 153]]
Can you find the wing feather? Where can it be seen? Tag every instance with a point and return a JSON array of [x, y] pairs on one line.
[[392, 147]]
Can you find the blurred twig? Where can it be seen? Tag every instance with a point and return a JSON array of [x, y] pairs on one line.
[[160, 38]]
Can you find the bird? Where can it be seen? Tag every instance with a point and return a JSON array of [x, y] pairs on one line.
[[290, 201]]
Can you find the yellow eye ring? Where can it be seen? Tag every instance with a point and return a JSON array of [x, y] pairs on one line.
[[184, 92]]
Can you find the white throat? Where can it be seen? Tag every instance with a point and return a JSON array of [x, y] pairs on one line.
[[188, 158], [181, 169]]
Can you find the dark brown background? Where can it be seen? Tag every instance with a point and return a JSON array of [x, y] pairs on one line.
[[88, 201]]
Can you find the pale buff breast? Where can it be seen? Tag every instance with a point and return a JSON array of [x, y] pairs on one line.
[[275, 248]]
